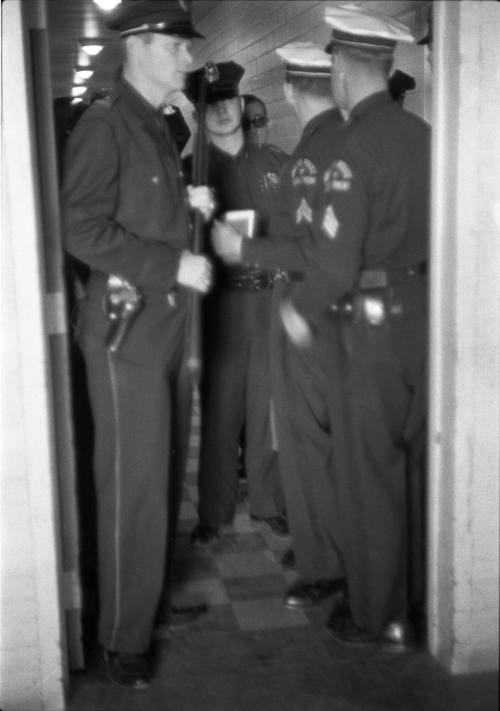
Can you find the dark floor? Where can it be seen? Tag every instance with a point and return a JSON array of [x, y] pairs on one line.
[[249, 653]]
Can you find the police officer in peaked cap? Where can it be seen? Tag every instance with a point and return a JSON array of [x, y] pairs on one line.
[[126, 217], [365, 298], [303, 444], [235, 386]]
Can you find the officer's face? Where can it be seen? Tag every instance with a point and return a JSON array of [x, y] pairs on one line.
[[255, 122], [166, 59], [337, 80], [223, 117]]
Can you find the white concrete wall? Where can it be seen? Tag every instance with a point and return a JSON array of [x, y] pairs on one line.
[[32, 655], [465, 393]]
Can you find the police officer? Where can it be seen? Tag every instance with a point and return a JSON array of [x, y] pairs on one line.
[[235, 387], [126, 216], [255, 120], [303, 442], [366, 264]]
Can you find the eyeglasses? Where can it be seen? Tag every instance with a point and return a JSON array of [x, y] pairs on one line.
[[257, 121]]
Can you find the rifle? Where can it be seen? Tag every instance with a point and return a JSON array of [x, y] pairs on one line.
[[199, 177]]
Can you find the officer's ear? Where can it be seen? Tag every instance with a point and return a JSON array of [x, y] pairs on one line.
[[288, 91], [242, 104]]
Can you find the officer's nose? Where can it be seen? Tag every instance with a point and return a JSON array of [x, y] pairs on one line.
[[221, 107]]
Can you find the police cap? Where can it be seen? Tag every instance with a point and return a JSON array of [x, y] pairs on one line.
[[305, 59], [355, 26], [165, 17], [225, 86]]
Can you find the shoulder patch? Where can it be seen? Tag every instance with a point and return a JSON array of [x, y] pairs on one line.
[[303, 172], [338, 177]]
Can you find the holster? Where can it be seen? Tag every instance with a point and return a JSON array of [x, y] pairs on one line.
[[371, 302], [371, 306], [122, 303]]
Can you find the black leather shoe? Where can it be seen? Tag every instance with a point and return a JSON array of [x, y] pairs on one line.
[[288, 559], [128, 670], [179, 617], [277, 525], [203, 534], [344, 630], [398, 637], [307, 594]]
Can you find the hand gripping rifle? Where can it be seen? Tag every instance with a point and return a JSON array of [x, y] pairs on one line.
[[199, 177]]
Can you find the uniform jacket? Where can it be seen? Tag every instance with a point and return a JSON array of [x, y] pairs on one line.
[[125, 213], [371, 205], [296, 193], [124, 207]]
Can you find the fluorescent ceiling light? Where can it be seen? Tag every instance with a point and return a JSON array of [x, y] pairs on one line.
[[91, 46], [107, 4], [78, 90], [83, 74]]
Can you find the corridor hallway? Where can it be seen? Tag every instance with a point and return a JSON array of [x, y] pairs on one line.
[[249, 653]]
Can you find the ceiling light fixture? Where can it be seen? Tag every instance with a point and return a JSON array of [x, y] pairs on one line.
[[107, 5], [78, 90], [82, 73], [91, 46]]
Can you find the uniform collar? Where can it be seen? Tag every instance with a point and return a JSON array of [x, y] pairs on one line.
[[380, 98], [141, 106], [242, 153], [321, 118]]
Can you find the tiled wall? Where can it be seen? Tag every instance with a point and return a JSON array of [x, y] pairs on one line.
[[249, 32]]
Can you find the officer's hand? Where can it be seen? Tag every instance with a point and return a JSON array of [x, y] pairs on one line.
[[296, 326], [195, 272], [227, 242], [202, 198]]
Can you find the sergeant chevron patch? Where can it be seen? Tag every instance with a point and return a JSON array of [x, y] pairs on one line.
[[304, 212]]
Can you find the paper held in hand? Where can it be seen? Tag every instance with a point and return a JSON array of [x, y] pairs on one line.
[[244, 221]]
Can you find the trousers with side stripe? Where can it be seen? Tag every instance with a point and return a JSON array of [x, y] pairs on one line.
[[136, 397]]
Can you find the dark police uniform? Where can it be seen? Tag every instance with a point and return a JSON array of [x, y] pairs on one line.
[[236, 387], [125, 213], [366, 256], [303, 441]]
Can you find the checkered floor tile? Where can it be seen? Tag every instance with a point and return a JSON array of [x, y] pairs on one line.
[[241, 569]]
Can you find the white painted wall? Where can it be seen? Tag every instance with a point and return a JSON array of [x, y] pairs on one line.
[[465, 337], [32, 654]]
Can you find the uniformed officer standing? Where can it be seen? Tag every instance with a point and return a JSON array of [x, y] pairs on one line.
[[303, 441], [126, 216], [235, 385], [366, 263]]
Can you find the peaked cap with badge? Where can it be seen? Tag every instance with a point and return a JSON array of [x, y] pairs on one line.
[[168, 17], [355, 26], [305, 59], [226, 86]]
